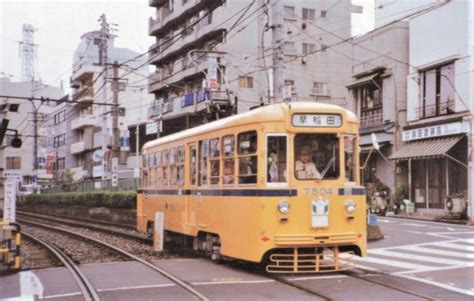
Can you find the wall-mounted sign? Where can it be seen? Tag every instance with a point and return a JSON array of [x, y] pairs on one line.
[[435, 131]]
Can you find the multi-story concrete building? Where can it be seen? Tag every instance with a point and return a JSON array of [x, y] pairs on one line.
[[378, 90], [439, 135], [20, 162], [84, 119], [213, 58]]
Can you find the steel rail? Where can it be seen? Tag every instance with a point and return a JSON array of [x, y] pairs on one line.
[[87, 289], [80, 224], [393, 287], [87, 220], [166, 274]]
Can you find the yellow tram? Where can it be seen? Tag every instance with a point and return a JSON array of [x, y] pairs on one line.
[[278, 185]]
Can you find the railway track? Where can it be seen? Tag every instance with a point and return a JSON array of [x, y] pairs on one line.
[[111, 228], [190, 289], [87, 289]]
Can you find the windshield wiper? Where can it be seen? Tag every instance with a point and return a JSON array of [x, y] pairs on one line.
[[325, 170]]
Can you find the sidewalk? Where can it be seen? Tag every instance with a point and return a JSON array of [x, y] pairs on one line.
[[433, 218]]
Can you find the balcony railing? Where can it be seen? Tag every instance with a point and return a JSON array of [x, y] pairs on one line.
[[83, 121], [372, 119], [439, 109], [78, 147]]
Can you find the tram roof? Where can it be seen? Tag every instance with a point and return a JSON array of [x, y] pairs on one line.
[[268, 113]]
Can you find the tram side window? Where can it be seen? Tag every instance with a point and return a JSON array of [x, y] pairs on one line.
[[193, 161], [203, 158], [228, 171], [316, 156], [158, 169], [247, 148], [214, 161], [180, 165], [172, 168], [276, 159], [165, 169], [350, 147], [228, 146]]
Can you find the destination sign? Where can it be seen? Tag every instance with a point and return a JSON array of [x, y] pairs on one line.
[[317, 120]]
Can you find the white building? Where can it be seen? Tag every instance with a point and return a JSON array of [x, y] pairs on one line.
[[19, 162], [439, 145], [208, 57], [85, 117]]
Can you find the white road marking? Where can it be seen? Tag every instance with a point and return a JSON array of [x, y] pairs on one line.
[[442, 285], [63, 295], [30, 286], [456, 246], [410, 256], [233, 282], [393, 263], [439, 252], [414, 225], [436, 269], [317, 277]]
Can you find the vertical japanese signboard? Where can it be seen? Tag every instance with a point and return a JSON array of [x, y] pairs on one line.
[[9, 205], [212, 72]]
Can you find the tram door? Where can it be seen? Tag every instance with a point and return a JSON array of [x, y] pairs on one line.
[[193, 175]]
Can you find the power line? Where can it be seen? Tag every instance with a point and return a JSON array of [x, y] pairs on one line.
[[47, 99]]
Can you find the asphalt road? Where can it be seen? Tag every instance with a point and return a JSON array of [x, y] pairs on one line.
[[426, 258]]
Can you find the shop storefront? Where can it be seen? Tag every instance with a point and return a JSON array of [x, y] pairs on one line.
[[436, 159]]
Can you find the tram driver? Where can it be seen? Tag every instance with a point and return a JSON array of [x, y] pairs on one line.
[[304, 167]]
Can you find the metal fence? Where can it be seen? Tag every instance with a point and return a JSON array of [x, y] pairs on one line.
[[96, 185]]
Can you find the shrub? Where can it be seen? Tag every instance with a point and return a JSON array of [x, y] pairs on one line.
[[120, 200]]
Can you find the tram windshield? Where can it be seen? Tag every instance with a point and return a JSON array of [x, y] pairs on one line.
[[316, 156]]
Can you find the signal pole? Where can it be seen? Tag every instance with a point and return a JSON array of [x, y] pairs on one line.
[[278, 55]]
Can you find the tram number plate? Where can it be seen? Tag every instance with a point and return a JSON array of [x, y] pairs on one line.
[[320, 214]]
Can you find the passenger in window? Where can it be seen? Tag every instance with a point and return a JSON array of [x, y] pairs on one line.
[[248, 170], [228, 172], [272, 167], [305, 169]]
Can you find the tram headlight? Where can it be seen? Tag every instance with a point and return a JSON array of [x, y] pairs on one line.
[[284, 207], [350, 206]]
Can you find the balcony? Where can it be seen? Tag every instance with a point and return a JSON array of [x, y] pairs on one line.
[[83, 121], [154, 111], [85, 72], [79, 173], [182, 69], [78, 147], [439, 109], [373, 118], [153, 25]]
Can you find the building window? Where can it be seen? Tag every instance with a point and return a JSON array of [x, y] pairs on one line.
[[436, 91], [61, 163], [13, 162], [59, 140], [289, 48], [369, 96], [324, 13], [291, 84], [320, 88], [246, 82], [289, 12], [309, 14], [309, 48], [60, 117]]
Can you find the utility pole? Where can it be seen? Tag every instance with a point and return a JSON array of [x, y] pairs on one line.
[[115, 112], [104, 36], [278, 55]]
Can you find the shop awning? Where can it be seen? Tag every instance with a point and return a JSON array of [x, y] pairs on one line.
[[363, 80], [426, 149]]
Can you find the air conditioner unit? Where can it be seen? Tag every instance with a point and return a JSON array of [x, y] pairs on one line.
[[455, 204]]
